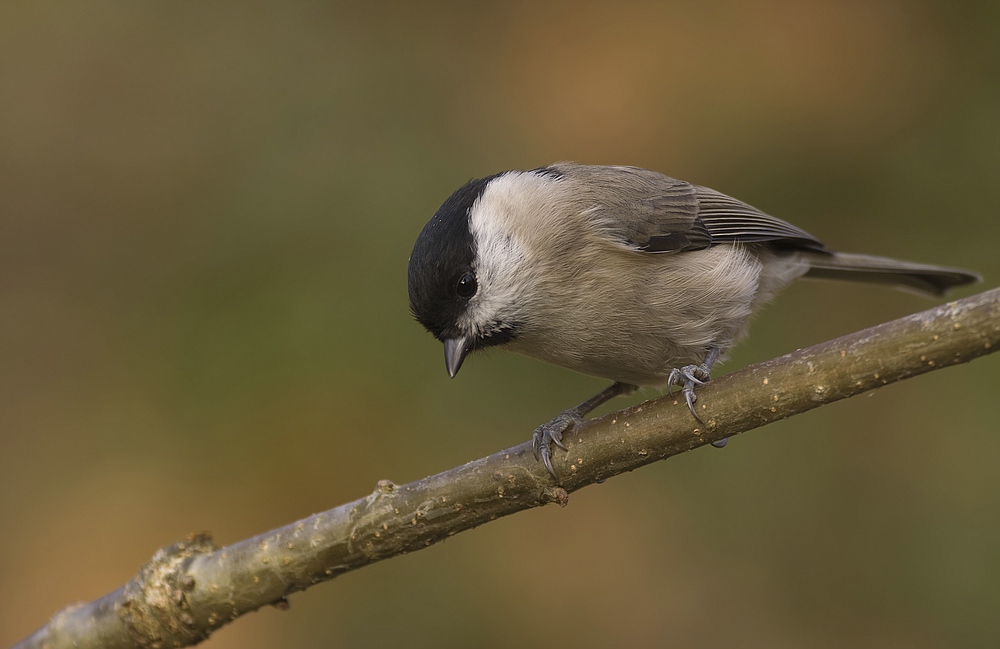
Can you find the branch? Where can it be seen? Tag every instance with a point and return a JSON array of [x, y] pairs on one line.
[[189, 589]]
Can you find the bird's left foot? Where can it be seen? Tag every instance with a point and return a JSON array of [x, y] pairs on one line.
[[687, 377]]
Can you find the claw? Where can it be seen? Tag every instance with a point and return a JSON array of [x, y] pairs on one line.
[[691, 397], [547, 457], [687, 377], [552, 433]]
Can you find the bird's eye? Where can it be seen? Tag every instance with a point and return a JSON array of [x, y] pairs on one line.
[[466, 286]]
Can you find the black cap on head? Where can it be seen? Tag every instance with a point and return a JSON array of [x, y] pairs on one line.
[[443, 253]]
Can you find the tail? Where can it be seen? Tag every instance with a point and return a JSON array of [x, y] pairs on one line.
[[923, 278]]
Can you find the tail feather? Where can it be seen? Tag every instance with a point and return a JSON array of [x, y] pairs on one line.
[[923, 278]]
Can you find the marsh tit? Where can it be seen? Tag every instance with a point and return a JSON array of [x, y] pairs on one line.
[[616, 272]]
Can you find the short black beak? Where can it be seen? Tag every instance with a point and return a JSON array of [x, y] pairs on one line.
[[455, 350]]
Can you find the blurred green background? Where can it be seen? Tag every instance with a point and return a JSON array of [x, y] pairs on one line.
[[205, 216]]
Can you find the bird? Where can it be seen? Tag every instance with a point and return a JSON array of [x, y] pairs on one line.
[[616, 272]]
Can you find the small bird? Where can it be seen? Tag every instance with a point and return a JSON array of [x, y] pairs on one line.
[[616, 272]]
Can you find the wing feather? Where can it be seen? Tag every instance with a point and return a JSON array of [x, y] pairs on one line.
[[728, 219], [651, 212]]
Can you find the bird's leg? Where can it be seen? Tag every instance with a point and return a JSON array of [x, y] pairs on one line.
[[552, 432], [689, 376]]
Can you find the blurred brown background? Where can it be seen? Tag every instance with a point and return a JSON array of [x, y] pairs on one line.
[[205, 217]]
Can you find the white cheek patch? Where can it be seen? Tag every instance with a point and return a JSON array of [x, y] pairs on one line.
[[499, 272], [501, 255]]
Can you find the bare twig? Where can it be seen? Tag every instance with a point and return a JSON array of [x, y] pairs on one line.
[[191, 588]]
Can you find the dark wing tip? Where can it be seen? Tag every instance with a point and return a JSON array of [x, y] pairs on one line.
[[732, 220]]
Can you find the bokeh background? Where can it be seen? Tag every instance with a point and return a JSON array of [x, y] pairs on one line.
[[206, 211]]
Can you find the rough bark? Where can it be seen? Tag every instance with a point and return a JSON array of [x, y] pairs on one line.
[[189, 589]]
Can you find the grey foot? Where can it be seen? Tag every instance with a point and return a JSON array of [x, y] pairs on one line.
[[720, 443], [552, 433], [687, 377]]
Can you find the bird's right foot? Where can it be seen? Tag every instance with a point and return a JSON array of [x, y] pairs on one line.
[[552, 433]]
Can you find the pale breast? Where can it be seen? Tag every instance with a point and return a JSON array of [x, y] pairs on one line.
[[637, 316]]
